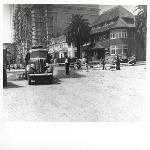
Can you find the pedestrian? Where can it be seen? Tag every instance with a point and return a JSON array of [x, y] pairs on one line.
[[103, 63], [118, 62], [78, 63], [86, 63], [9, 67], [67, 63]]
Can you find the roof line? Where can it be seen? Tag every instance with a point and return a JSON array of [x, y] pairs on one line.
[[110, 9], [123, 21]]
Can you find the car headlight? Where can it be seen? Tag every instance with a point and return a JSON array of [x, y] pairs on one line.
[[32, 66], [48, 69], [47, 65]]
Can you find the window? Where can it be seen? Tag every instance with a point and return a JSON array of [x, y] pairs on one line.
[[103, 36], [116, 34], [113, 51], [38, 54], [119, 34], [75, 54], [125, 35], [100, 37], [118, 49], [112, 36], [124, 50]]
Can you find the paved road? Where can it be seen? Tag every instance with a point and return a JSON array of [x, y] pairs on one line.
[[96, 95]]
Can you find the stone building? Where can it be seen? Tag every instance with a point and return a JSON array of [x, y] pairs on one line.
[[113, 33]]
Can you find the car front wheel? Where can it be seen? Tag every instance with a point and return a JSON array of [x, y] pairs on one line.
[[50, 79], [29, 80], [5, 80], [26, 76]]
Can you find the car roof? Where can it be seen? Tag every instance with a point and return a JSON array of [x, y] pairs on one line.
[[38, 49]]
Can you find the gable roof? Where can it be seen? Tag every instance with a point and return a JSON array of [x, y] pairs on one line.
[[112, 13], [59, 39], [119, 23]]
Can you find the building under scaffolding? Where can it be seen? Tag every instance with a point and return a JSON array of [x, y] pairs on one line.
[[36, 24]]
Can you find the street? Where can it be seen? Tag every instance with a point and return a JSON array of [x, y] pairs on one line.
[[94, 96]]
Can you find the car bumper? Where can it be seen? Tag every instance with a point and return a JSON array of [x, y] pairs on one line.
[[42, 74]]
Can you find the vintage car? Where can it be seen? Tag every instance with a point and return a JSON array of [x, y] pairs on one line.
[[132, 60], [4, 77], [38, 65], [4, 67]]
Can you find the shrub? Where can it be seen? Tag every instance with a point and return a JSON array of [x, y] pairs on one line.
[[73, 59]]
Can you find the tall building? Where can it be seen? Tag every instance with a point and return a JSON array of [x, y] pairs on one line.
[[36, 24], [61, 13]]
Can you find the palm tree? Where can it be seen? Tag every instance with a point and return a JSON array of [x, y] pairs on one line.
[[141, 26], [77, 32]]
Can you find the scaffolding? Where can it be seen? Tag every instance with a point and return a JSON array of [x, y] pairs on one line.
[[31, 26]]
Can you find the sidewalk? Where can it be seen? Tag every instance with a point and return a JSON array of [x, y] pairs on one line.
[[141, 62]]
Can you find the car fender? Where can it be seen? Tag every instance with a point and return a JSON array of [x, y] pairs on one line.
[[29, 69], [50, 69]]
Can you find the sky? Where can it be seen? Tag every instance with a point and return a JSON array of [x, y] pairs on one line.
[[6, 18]]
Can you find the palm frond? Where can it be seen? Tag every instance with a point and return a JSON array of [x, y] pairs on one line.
[[77, 31]]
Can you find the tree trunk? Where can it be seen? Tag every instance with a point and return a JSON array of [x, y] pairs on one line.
[[144, 54], [78, 48]]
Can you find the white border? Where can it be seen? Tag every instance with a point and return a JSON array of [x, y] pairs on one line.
[[66, 136]]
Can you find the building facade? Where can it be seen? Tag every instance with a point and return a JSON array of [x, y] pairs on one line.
[[61, 13], [58, 48], [114, 31]]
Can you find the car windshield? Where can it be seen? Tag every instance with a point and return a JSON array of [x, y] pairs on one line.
[[38, 54]]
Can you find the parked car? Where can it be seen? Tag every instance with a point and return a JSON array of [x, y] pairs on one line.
[[132, 60], [38, 65], [129, 60], [4, 67], [4, 77]]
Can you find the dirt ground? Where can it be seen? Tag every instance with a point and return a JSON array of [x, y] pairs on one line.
[[95, 95]]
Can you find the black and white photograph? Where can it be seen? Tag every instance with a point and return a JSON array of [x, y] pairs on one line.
[[75, 63]]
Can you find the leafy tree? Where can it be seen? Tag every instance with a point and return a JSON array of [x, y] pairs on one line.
[[141, 20], [141, 26], [77, 32]]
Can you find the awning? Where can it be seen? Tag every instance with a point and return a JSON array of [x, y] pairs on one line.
[[96, 46], [82, 48]]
